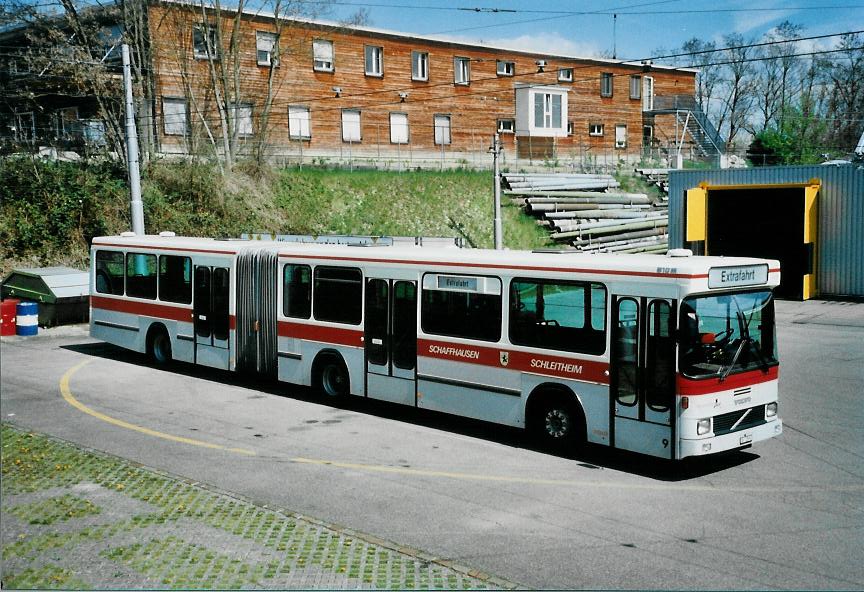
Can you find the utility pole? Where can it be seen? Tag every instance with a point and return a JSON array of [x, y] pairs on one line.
[[132, 149], [495, 149]]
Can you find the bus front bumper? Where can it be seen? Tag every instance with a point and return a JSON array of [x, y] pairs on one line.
[[731, 441]]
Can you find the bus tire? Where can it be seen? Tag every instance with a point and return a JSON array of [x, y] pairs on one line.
[[556, 422], [159, 346], [330, 377]]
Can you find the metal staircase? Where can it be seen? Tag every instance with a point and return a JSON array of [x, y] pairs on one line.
[[691, 118]]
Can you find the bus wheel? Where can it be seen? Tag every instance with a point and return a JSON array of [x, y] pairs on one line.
[[332, 378], [159, 348], [557, 424]]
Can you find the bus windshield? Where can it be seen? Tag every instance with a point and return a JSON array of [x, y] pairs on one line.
[[725, 334]]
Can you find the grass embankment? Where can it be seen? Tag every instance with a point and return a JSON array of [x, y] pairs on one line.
[[49, 211]]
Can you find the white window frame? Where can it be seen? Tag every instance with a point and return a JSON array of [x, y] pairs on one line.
[[264, 44], [29, 118], [548, 111], [352, 131], [505, 68], [322, 55], [442, 129], [299, 122], [636, 85], [565, 74], [172, 123], [242, 114], [596, 129], [504, 128], [621, 143], [399, 127], [462, 70], [374, 60], [203, 31], [606, 79], [420, 65]]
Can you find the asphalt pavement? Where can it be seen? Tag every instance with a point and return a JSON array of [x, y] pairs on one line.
[[788, 513]]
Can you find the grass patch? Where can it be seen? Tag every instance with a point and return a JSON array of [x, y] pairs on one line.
[[65, 507], [46, 577]]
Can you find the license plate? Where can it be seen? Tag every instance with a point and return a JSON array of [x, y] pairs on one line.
[[746, 439]]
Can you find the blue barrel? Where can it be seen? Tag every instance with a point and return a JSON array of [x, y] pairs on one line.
[[28, 318]]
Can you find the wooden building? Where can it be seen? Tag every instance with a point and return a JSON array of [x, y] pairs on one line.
[[291, 86]]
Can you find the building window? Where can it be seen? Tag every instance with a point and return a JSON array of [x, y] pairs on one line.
[[322, 51], [174, 117], [635, 87], [374, 60], [547, 110], [442, 129], [565, 75], [243, 119], [298, 122], [504, 68], [595, 129], [265, 44], [506, 126], [201, 34], [606, 84], [419, 65], [398, 128], [461, 70], [351, 126], [620, 136]]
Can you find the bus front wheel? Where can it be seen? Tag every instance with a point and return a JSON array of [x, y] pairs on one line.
[[557, 424]]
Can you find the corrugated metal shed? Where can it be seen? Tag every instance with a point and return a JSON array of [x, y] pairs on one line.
[[840, 239]]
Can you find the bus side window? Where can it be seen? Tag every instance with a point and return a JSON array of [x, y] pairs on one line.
[[297, 291], [141, 275], [625, 351], [338, 294], [175, 279], [109, 272]]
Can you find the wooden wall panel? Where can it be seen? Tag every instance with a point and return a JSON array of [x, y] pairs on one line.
[[474, 108]]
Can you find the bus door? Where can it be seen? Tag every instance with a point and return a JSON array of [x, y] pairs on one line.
[[642, 375], [210, 316], [390, 338]]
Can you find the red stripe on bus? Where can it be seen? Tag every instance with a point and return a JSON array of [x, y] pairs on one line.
[[521, 361], [144, 309], [706, 386], [334, 335]]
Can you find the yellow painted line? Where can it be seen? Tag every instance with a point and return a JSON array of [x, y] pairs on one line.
[[67, 395], [570, 482]]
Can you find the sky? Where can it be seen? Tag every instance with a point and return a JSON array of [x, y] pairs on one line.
[[641, 28]]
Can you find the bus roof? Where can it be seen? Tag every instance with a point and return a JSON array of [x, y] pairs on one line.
[[680, 268]]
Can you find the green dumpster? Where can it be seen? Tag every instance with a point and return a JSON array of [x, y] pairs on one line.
[[63, 293]]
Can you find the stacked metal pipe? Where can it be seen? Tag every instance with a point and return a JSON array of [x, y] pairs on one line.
[[589, 214]]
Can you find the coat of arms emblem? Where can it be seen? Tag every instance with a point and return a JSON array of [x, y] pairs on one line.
[[504, 357]]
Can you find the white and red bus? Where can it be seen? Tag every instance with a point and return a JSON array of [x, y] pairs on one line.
[[671, 356]]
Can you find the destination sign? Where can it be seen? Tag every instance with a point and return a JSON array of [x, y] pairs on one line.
[[457, 283], [740, 275]]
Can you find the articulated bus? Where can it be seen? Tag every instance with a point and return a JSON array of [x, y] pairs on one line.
[[671, 356]]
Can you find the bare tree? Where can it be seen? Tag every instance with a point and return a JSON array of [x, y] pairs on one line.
[[737, 86]]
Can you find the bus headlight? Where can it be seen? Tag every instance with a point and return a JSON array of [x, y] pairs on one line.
[[703, 426], [771, 410]]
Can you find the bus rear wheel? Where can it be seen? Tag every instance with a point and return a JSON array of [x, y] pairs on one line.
[[557, 424], [332, 378], [159, 348]]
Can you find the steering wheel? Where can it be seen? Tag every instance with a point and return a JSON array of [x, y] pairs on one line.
[[721, 338]]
